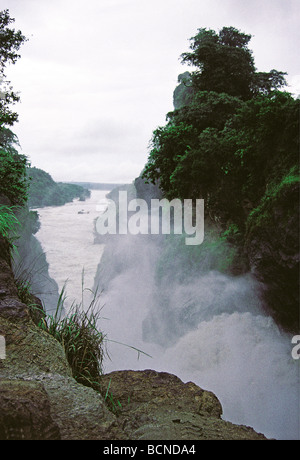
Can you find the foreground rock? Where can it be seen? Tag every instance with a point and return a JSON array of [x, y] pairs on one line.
[[159, 406], [40, 400], [25, 412]]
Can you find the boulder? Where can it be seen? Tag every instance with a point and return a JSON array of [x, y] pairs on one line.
[[25, 412], [158, 406]]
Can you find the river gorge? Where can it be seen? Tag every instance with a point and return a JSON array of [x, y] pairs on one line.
[[211, 330]]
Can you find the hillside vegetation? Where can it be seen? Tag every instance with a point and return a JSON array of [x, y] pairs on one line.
[[233, 140], [44, 191]]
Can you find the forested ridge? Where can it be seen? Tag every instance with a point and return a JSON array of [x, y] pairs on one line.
[[233, 140], [44, 191], [233, 136]]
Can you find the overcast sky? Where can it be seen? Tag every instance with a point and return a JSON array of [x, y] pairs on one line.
[[97, 76]]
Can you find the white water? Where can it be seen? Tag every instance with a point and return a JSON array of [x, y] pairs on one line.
[[231, 348], [67, 238]]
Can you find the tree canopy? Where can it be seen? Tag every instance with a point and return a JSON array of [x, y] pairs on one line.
[[13, 183], [233, 132], [224, 63]]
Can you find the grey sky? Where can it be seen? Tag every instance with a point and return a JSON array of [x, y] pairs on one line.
[[97, 77]]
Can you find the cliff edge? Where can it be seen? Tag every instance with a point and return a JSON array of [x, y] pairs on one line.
[[40, 400]]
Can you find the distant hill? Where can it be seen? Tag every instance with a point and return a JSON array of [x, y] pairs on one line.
[[96, 185], [44, 191]]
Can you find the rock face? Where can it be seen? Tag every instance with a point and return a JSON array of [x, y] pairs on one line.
[[159, 406], [40, 400], [272, 246]]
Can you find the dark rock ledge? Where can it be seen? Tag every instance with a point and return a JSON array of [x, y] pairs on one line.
[[40, 400]]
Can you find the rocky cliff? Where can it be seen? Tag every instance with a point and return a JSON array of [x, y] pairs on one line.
[[268, 249], [40, 400]]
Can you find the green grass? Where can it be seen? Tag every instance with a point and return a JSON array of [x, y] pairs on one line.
[[84, 345], [114, 405]]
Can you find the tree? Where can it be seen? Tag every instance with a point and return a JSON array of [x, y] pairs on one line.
[[184, 92], [233, 139], [10, 43], [231, 135], [13, 183], [225, 64]]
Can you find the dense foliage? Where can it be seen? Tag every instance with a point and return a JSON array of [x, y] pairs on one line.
[[233, 133], [13, 183], [17, 187]]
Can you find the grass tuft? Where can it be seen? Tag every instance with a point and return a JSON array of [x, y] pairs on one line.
[[83, 344]]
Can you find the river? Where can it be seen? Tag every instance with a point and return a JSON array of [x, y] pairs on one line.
[[230, 346]]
